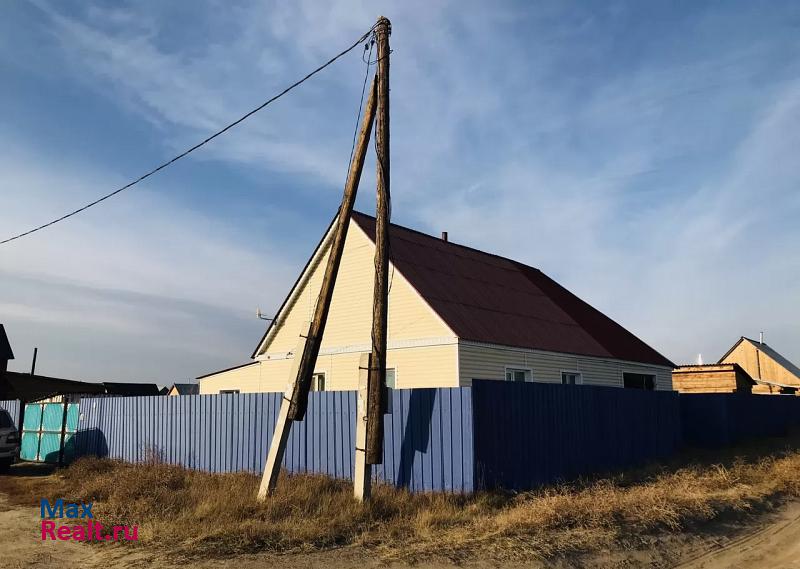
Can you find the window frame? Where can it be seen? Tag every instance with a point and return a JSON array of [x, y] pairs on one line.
[[528, 371], [394, 368], [578, 376], [315, 384], [636, 372]]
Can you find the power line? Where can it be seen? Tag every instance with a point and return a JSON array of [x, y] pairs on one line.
[[361, 103], [196, 146]]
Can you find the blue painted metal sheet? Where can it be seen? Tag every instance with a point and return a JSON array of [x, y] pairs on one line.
[[495, 434], [717, 420], [13, 409], [29, 446], [529, 434], [32, 418], [428, 434]]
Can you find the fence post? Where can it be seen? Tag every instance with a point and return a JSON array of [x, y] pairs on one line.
[[65, 404]]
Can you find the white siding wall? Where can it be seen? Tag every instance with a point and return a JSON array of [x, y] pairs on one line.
[[483, 361]]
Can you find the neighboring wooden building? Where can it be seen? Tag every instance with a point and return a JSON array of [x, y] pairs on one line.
[[712, 378], [748, 367], [773, 372], [455, 314]]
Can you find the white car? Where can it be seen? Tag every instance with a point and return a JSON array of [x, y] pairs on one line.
[[9, 440]]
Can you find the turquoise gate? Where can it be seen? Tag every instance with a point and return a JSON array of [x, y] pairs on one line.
[[47, 429]]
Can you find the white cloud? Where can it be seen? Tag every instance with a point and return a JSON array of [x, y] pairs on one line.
[[142, 271]]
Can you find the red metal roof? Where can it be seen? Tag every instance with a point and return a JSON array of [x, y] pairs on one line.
[[487, 298]]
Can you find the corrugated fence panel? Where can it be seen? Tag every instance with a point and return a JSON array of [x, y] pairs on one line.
[[494, 434], [428, 434], [529, 434], [717, 420], [13, 409]]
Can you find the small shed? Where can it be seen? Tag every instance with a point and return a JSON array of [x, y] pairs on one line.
[[712, 378]]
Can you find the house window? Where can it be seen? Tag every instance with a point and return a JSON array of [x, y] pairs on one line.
[[318, 381], [391, 377], [571, 378], [639, 380], [228, 391], [391, 382], [518, 374]]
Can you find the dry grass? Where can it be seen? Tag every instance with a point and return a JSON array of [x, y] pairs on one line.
[[193, 513]]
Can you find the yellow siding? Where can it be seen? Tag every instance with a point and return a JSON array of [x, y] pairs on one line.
[[350, 316], [759, 365], [427, 366], [245, 379], [421, 347], [479, 361]]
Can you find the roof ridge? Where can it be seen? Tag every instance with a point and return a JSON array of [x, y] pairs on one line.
[[602, 336], [450, 243]]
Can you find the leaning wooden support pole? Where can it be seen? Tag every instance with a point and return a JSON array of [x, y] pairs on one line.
[[278, 445], [295, 399], [380, 302], [362, 472], [308, 358]]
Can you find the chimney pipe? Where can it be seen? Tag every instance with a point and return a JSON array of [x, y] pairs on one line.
[[444, 235], [761, 337]]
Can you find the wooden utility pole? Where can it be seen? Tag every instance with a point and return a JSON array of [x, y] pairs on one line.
[[377, 369], [299, 403], [295, 400]]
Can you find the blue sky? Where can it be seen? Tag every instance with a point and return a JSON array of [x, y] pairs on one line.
[[645, 156]]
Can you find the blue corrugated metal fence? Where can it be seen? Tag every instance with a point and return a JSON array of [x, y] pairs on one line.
[[528, 434], [494, 434], [716, 420], [13, 409], [226, 433]]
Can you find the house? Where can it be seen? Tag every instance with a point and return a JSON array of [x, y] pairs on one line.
[[131, 389], [712, 378], [455, 314], [6, 353], [34, 387], [772, 372], [27, 387], [184, 389]]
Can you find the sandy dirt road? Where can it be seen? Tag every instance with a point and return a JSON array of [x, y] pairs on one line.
[[775, 546]]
